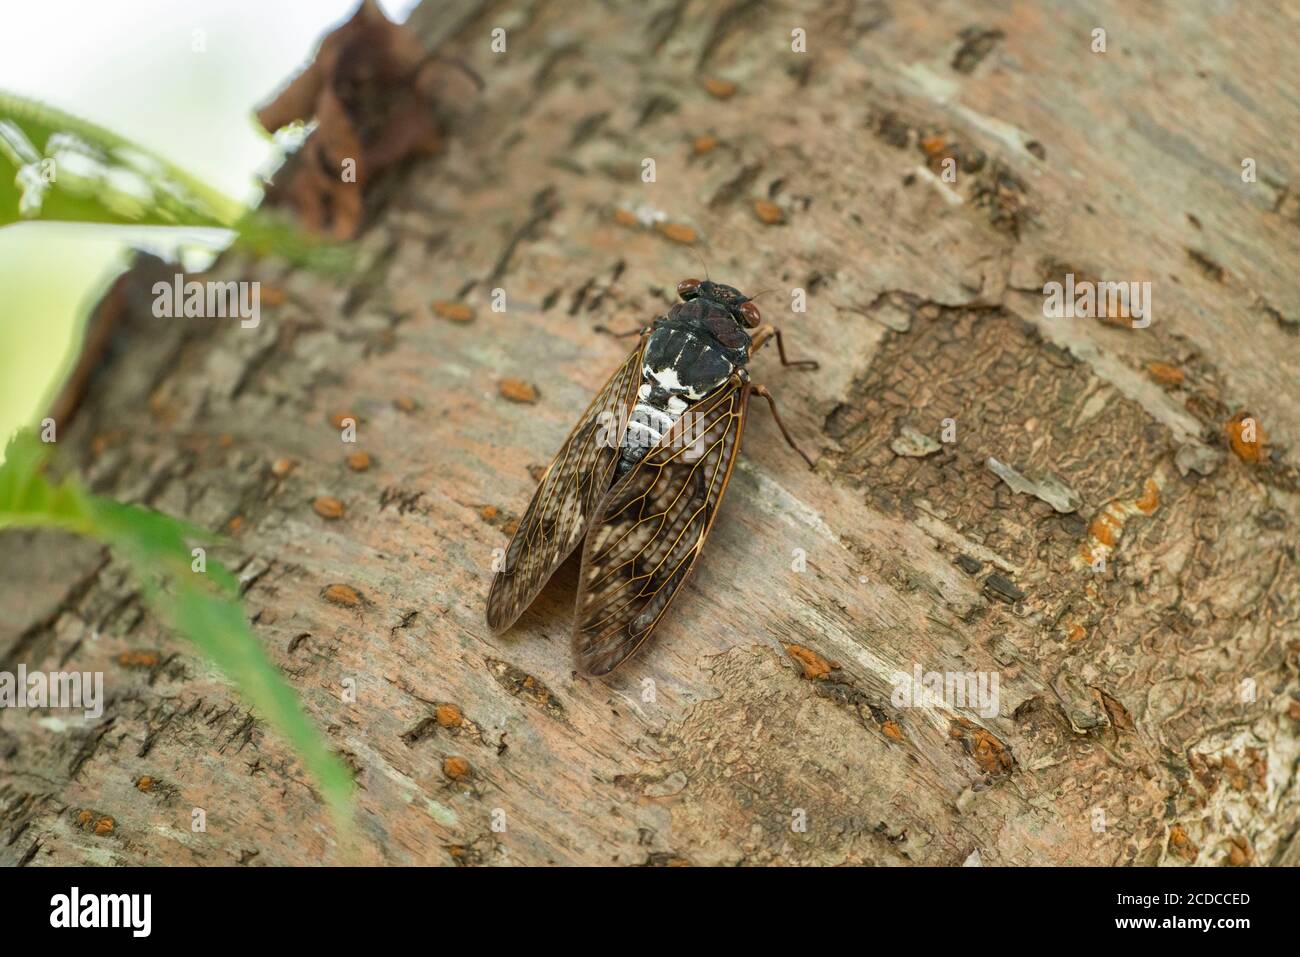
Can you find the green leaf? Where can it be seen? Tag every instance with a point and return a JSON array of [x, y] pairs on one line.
[[58, 167], [98, 176], [204, 607]]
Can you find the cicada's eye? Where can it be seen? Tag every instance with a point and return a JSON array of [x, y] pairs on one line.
[[688, 288], [749, 314]]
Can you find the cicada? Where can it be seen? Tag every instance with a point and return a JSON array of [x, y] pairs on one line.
[[639, 480]]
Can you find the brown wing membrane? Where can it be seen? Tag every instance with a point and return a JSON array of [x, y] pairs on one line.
[[565, 500], [650, 529]]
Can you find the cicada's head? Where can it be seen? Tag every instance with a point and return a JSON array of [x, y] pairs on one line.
[[740, 306]]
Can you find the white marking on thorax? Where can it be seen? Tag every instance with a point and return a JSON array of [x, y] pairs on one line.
[[667, 378], [648, 423]]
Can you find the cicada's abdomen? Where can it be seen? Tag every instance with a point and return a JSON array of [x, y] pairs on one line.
[[645, 427]]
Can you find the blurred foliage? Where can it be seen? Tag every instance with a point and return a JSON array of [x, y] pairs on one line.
[[202, 605], [59, 167]]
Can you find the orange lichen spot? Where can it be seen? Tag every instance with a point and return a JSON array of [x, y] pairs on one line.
[[453, 311], [678, 233], [489, 513], [359, 461], [338, 419], [448, 716], [704, 144], [1165, 374], [145, 784], [1181, 844], [328, 507], [138, 659], [95, 822], [404, 403], [1247, 437], [720, 89], [235, 524], [1075, 633], [511, 526], [625, 217], [344, 595], [1149, 500], [814, 665], [456, 768], [282, 467], [892, 730], [933, 145], [1105, 528], [517, 390], [989, 753], [225, 440], [768, 212]]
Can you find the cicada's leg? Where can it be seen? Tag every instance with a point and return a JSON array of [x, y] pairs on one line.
[[763, 333], [762, 390]]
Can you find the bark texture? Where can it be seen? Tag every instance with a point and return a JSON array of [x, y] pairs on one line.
[[1148, 711]]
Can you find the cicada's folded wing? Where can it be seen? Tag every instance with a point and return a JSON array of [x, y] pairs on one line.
[[566, 498], [650, 529]]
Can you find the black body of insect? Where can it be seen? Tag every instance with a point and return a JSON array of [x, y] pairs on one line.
[[638, 481]]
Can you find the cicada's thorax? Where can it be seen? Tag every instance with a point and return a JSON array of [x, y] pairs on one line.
[[692, 353]]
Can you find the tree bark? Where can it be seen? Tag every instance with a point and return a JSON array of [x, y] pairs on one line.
[[1148, 701]]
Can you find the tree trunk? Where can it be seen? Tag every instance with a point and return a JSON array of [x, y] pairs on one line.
[[1139, 611]]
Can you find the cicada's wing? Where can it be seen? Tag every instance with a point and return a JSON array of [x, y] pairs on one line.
[[566, 498], [650, 529]]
